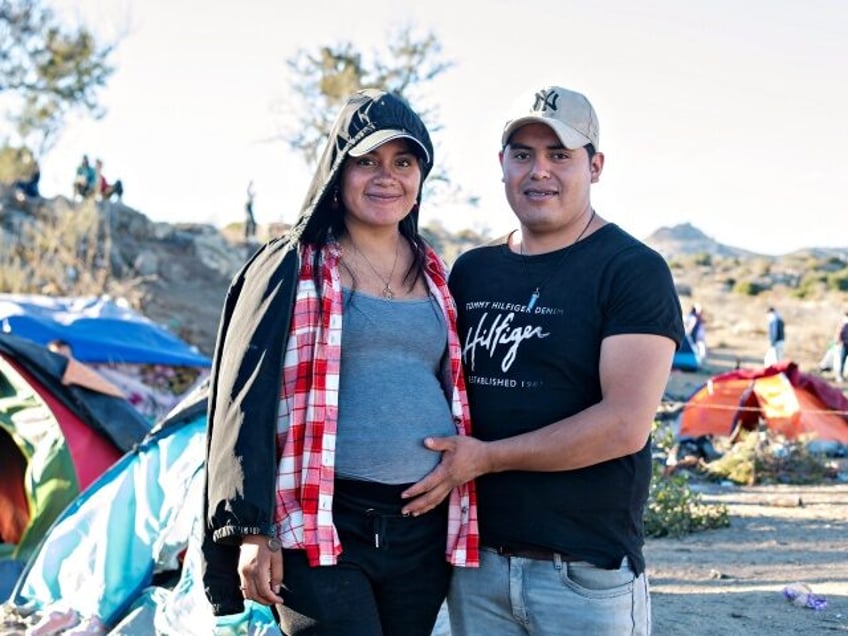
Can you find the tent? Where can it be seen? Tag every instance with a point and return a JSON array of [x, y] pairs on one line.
[[791, 403], [55, 440], [124, 557], [150, 364], [686, 357]]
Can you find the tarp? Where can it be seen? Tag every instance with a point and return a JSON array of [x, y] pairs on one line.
[[686, 357], [97, 328], [126, 553], [153, 367], [791, 403]]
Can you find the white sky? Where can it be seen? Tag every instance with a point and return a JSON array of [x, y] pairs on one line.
[[725, 114]]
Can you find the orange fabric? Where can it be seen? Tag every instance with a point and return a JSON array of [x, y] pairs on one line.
[[792, 411], [711, 410], [14, 507], [82, 375]]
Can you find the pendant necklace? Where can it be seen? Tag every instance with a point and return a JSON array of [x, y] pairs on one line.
[[387, 292], [538, 291]]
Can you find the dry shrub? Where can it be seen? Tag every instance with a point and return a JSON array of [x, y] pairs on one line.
[[764, 458], [66, 253]]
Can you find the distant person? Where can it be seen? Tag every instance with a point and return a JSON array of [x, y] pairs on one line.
[[105, 190], [839, 368], [249, 219], [28, 187], [85, 179], [694, 326], [776, 337]]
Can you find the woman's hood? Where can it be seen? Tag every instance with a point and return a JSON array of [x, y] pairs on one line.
[[365, 113]]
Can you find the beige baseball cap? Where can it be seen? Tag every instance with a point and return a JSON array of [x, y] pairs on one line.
[[569, 114]]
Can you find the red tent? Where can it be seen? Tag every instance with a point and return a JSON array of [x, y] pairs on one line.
[[790, 402], [55, 439]]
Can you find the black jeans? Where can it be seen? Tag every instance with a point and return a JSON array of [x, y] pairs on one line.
[[391, 577]]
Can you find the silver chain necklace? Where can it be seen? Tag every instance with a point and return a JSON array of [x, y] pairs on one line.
[[534, 297], [387, 291]]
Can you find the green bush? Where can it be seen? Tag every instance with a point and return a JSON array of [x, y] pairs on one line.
[[838, 281], [673, 510], [15, 163], [767, 459], [704, 259], [747, 288]]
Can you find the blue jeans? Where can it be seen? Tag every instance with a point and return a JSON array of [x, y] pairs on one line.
[[515, 596]]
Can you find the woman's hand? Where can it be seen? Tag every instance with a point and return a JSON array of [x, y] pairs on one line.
[[261, 569]]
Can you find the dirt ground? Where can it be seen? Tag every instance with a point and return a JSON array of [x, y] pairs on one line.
[[731, 581]]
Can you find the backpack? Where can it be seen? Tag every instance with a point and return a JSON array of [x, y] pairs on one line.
[[779, 334]]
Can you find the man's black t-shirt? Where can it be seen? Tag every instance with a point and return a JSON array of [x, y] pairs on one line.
[[529, 364]]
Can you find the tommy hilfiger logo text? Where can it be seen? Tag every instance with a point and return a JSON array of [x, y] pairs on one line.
[[546, 100]]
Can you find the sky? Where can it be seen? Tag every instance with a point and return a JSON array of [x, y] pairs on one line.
[[724, 114]]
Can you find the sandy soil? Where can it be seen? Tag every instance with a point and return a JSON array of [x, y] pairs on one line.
[[731, 581]]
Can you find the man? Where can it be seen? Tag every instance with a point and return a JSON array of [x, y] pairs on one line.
[[249, 219], [776, 336], [569, 327], [842, 350]]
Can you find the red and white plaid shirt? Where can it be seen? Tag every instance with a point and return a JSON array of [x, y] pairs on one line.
[[306, 426]]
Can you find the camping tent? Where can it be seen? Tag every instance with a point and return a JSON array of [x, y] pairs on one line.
[[150, 364], [126, 554], [55, 439], [790, 402]]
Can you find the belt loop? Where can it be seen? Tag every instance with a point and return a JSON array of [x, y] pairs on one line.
[[557, 561]]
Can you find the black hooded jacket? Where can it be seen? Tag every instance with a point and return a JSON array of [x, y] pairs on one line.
[[247, 365]]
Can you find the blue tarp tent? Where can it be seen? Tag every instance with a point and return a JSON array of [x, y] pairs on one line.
[[153, 367], [97, 328]]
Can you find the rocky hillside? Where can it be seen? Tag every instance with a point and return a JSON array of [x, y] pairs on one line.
[[685, 238], [177, 274]]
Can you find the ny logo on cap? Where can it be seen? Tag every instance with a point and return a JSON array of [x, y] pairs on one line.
[[546, 100]]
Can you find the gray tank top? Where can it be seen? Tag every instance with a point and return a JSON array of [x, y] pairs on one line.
[[390, 395]]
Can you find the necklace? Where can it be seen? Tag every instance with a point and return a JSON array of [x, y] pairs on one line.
[[387, 292], [534, 297]]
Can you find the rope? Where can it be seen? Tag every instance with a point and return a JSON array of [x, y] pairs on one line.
[[752, 409]]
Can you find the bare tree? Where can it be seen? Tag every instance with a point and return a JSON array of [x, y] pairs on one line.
[[50, 70], [323, 78]]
